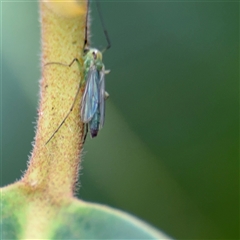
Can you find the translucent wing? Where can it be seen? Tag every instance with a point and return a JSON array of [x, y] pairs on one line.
[[102, 98], [90, 99]]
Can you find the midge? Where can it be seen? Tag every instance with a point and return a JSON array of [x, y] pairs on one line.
[[93, 101], [94, 96]]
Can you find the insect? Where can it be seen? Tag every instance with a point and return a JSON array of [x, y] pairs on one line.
[[93, 101]]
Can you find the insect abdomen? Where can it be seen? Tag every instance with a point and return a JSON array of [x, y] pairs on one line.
[[94, 124]]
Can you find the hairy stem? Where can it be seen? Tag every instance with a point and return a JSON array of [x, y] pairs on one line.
[[54, 166]]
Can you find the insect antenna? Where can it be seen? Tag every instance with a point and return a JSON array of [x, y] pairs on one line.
[[103, 26]]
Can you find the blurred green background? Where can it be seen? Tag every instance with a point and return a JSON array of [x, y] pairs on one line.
[[168, 152]]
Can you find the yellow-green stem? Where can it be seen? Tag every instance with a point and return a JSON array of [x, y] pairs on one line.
[[53, 167]]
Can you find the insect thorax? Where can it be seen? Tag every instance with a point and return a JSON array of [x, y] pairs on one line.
[[93, 58]]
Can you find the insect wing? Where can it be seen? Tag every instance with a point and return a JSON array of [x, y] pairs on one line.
[[102, 98], [90, 99]]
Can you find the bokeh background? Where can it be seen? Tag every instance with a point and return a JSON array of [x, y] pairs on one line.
[[169, 151]]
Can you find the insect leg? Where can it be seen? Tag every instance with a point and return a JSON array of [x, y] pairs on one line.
[[86, 43], [63, 64], [75, 99], [106, 95], [86, 132], [104, 28]]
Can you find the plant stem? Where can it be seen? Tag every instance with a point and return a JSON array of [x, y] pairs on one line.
[[54, 166]]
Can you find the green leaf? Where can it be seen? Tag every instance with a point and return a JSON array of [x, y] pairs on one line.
[[26, 214]]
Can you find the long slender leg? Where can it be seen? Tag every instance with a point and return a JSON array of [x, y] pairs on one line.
[[86, 43], [103, 26], [86, 132], [75, 99], [63, 64]]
